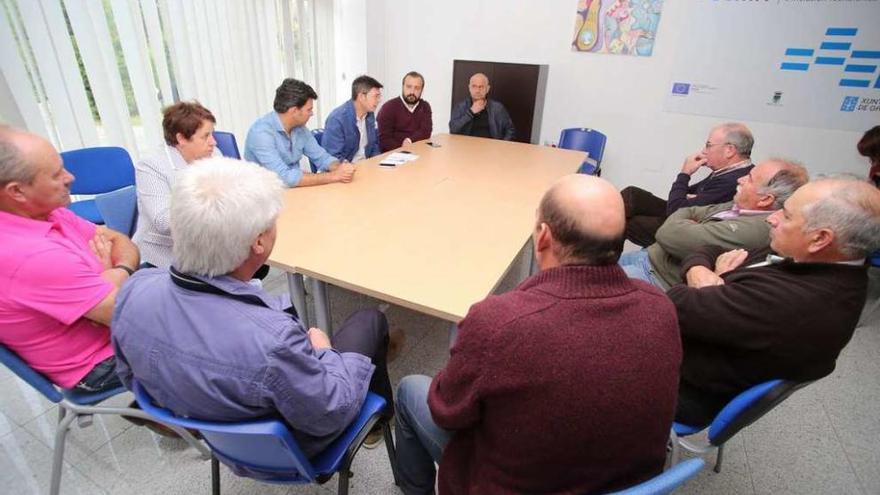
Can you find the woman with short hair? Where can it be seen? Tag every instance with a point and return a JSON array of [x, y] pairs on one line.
[[188, 129]]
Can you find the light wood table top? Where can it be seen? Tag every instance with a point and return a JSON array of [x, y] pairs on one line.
[[435, 235]]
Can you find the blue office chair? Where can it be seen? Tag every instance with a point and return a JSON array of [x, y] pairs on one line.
[[80, 406], [667, 481], [743, 410], [318, 133], [227, 144], [267, 449], [589, 140], [119, 209], [97, 170]]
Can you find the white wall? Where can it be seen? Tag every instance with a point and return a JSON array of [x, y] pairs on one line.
[[620, 95]]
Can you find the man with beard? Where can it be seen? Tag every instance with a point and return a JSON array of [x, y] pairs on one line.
[[405, 119]]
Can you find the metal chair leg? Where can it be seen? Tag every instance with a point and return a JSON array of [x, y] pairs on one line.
[[215, 476], [64, 421], [718, 457], [392, 451], [344, 475]]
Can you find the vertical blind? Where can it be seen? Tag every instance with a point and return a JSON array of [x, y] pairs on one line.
[[98, 72]]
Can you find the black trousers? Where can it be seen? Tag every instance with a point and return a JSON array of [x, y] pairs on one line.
[[366, 332], [695, 408], [645, 213]]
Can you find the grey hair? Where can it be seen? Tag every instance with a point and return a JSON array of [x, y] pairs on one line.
[[219, 206], [852, 211], [785, 182], [739, 136], [14, 167]]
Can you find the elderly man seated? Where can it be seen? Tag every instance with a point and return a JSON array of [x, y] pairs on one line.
[[726, 153], [207, 344], [565, 384], [59, 274], [740, 224], [747, 317]]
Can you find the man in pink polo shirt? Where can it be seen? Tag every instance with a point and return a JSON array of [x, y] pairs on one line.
[[59, 274]]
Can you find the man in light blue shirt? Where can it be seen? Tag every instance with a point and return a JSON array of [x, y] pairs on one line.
[[279, 139]]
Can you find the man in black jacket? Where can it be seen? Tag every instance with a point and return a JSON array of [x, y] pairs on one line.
[[747, 318], [479, 116], [726, 153]]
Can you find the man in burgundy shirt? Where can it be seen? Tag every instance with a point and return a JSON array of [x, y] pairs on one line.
[[405, 119], [567, 384]]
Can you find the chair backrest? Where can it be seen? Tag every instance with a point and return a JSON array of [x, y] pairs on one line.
[[749, 406], [119, 209], [227, 144], [583, 139], [668, 480], [99, 170], [319, 134], [264, 445], [33, 377]]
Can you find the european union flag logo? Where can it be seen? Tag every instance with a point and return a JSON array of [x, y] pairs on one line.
[[681, 88], [849, 103]]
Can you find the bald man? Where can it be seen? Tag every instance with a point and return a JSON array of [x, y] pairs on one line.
[[747, 317], [59, 274], [566, 384], [480, 116]]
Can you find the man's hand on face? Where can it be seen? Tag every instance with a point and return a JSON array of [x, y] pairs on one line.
[[693, 163], [319, 339], [407, 141], [478, 106]]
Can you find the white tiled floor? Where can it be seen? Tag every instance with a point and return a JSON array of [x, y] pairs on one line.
[[824, 439]]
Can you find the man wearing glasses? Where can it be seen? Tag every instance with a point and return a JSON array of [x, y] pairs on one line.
[[726, 153]]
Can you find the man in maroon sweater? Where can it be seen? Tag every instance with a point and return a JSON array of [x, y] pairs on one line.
[[566, 384], [747, 318], [406, 119]]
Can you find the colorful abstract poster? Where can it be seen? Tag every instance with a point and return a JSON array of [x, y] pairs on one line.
[[801, 63], [621, 27]]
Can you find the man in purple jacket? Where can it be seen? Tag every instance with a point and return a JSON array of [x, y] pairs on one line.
[[206, 343], [726, 153]]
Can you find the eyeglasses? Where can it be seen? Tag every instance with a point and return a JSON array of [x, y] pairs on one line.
[[709, 145]]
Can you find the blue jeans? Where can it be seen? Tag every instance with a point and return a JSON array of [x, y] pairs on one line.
[[636, 264], [420, 442]]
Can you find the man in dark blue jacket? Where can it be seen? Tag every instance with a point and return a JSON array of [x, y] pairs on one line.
[[726, 153], [350, 132], [479, 116]]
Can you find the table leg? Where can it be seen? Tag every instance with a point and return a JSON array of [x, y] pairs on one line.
[[298, 296], [453, 334], [322, 306]]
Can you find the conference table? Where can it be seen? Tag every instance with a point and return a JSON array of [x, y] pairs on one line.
[[435, 235]]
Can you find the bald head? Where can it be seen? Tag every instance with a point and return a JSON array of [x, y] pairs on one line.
[[17, 150], [478, 86], [585, 216], [33, 181]]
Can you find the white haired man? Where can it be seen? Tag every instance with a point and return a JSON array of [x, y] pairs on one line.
[[747, 317], [208, 344]]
